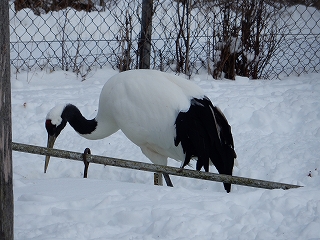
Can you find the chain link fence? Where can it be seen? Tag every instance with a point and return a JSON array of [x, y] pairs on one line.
[[187, 36]]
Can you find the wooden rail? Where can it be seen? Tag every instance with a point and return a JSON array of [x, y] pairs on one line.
[[151, 167]]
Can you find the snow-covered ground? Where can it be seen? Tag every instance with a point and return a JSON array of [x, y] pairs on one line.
[[276, 129]]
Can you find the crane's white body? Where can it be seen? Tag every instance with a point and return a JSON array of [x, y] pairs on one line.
[[145, 111], [165, 115]]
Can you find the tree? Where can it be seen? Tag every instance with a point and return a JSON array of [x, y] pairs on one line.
[[6, 191], [249, 34]]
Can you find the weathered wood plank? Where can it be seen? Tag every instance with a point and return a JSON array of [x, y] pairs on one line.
[[152, 167], [6, 191]]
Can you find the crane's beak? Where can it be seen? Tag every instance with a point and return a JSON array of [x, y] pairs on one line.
[[51, 140]]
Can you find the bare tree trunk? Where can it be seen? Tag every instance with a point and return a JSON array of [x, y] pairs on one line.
[[145, 34], [6, 191]]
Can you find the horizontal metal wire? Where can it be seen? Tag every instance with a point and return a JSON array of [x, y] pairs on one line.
[[151, 167]]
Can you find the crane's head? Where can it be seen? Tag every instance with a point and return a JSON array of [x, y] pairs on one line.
[[54, 125]]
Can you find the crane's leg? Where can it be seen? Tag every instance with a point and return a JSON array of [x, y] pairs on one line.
[[158, 179], [168, 180], [160, 160]]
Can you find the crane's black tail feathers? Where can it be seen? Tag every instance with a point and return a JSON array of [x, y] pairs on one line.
[[205, 133]]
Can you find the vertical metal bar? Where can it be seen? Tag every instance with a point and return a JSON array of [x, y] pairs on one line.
[[187, 65], [144, 44]]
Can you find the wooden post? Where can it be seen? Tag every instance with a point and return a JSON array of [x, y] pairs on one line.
[[157, 179], [6, 191], [144, 45]]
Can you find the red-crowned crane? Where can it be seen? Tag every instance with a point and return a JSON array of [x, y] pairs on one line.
[[164, 114]]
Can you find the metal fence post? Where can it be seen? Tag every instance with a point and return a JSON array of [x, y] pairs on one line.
[[144, 45]]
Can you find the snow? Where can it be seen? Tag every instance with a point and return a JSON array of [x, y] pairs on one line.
[[276, 129]]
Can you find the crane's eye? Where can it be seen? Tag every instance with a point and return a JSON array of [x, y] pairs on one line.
[[51, 129]]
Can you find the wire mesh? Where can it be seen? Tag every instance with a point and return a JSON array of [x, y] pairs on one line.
[[186, 37]]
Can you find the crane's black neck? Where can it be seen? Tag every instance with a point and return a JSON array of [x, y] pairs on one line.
[[73, 115]]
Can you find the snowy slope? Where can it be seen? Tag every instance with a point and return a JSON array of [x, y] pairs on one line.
[[276, 129]]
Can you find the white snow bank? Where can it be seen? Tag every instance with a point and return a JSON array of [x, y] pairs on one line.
[[276, 129]]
